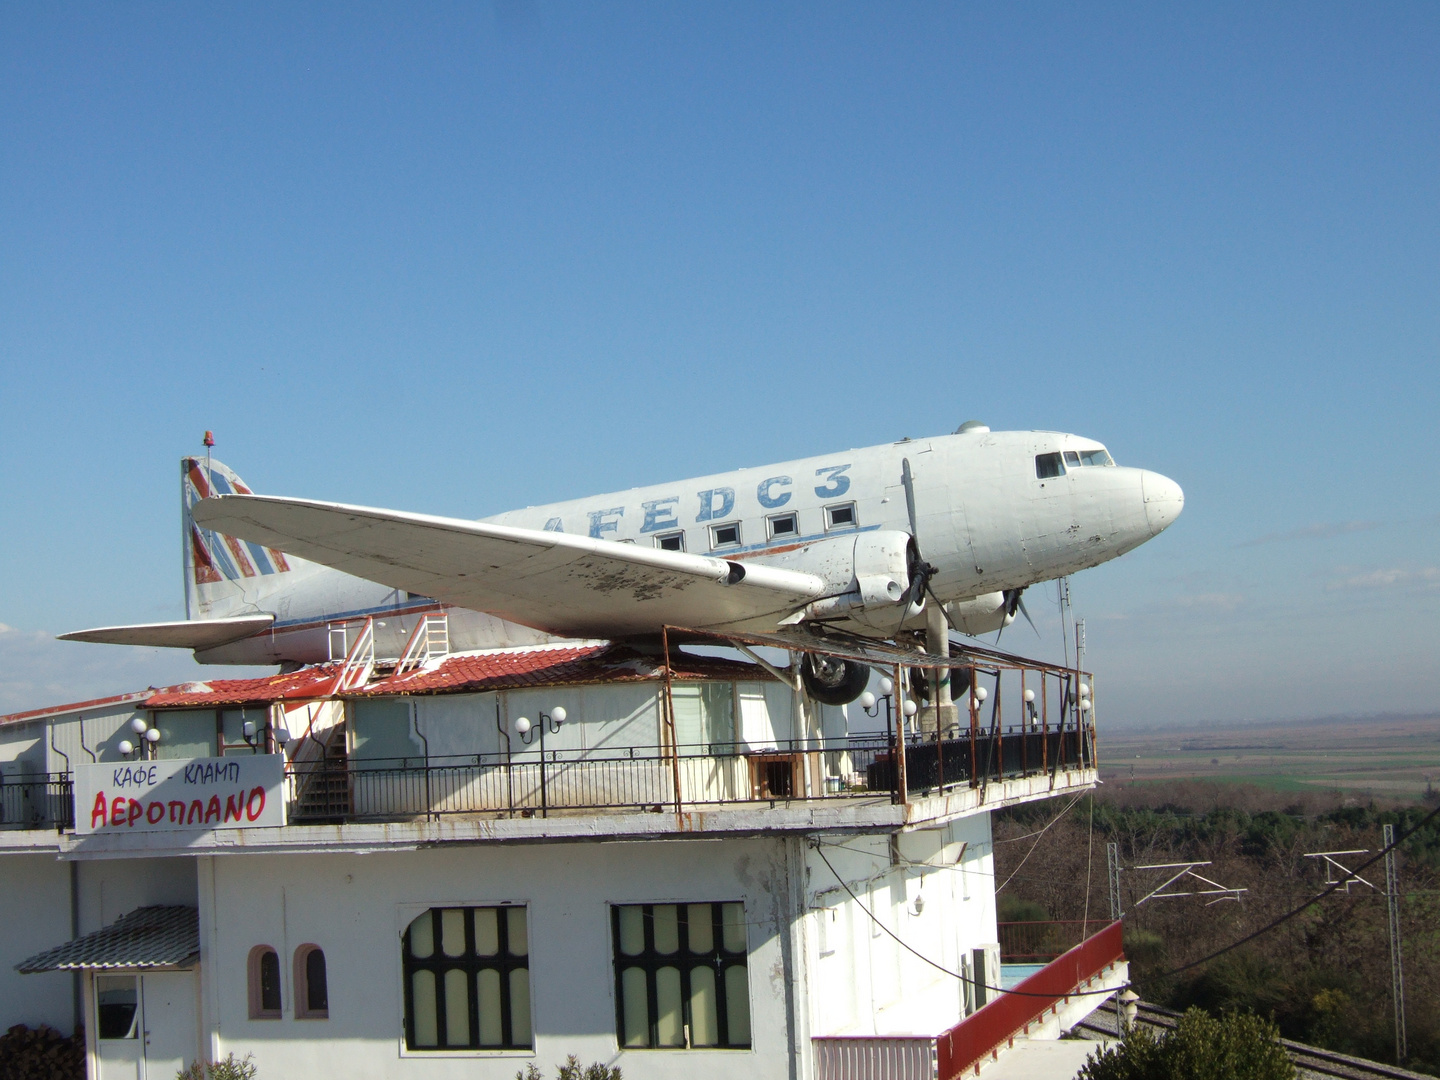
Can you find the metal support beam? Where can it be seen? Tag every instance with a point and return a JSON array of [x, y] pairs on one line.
[[1187, 869], [1397, 976], [789, 676], [1332, 868]]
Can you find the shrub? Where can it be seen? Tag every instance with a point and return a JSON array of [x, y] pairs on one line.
[[572, 1070], [228, 1068], [1013, 909], [1236, 1047]]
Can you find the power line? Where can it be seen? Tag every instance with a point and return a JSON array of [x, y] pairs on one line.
[[1272, 925], [1038, 836], [819, 850], [1281, 920]]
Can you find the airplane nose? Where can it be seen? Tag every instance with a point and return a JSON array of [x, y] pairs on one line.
[[1163, 501]]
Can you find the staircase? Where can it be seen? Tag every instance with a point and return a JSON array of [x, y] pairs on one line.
[[323, 783]]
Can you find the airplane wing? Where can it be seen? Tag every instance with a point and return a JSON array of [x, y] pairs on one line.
[[572, 586], [186, 634]]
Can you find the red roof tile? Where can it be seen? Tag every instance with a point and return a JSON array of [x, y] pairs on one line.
[[505, 670], [311, 682], [568, 665]]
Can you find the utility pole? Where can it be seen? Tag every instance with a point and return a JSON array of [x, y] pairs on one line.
[[1397, 977], [1112, 856]]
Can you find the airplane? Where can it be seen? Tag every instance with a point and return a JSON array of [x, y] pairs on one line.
[[902, 541]]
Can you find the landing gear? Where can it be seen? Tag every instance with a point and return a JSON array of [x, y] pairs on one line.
[[831, 681], [920, 683]]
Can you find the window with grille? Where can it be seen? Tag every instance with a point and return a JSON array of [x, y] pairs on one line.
[[680, 976], [467, 980]]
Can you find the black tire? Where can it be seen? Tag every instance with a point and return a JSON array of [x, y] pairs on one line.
[[831, 681], [959, 683]]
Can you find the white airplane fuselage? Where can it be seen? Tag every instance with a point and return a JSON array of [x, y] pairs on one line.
[[993, 512]]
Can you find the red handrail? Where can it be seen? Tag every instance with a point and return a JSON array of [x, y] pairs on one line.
[[982, 1031]]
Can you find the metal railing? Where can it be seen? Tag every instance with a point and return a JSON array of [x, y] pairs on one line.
[[860, 1057], [1041, 942], [659, 778], [982, 1032], [38, 801]]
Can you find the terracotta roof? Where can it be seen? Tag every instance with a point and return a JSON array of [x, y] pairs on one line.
[[146, 937], [58, 710], [556, 666], [311, 682], [505, 669]]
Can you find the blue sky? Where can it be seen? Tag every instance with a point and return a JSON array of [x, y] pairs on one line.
[[461, 258]]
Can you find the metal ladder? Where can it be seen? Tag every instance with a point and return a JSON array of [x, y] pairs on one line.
[[430, 638]]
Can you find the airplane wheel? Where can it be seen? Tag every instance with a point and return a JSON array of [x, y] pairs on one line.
[[959, 683], [831, 681]]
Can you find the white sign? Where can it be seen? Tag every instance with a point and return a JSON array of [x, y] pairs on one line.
[[243, 792]]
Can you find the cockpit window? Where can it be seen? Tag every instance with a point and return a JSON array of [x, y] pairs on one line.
[[1072, 459], [1095, 457], [1048, 465]]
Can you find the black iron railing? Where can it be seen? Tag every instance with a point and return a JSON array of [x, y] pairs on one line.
[[38, 801], [658, 778]]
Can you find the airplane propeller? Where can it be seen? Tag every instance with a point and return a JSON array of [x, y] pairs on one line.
[[922, 571], [1013, 603]]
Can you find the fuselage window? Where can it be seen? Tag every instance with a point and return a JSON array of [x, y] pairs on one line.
[[1048, 465], [725, 535], [1096, 457], [784, 525], [671, 541], [1072, 459], [840, 517]]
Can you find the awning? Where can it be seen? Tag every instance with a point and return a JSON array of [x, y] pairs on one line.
[[148, 937]]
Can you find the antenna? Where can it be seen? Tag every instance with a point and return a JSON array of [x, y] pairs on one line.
[[209, 442]]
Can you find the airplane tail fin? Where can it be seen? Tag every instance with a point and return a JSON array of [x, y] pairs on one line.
[[218, 568]]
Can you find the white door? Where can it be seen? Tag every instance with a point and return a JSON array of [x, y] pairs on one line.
[[119, 1045], [146, 1026], [172, 1032]]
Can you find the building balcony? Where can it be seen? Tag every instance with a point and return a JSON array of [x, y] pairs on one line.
[[661, 779]]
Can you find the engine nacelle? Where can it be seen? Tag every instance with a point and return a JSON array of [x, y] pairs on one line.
[[874, 570], [981, 614]]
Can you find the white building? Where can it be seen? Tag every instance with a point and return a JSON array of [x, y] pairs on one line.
[[671, 863]]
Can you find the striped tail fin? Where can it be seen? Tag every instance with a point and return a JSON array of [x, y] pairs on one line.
[[217, 566]]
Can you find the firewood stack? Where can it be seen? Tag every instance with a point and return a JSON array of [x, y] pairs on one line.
[[41, 1054]]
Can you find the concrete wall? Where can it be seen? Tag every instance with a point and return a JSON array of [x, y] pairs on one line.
[[34, 915], [110, 888], [932, 890], [89, 734], [356, 906]]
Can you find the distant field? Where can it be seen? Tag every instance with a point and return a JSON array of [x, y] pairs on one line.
[[1388, 756]]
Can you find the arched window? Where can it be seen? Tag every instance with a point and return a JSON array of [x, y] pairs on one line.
[[312, 995], [264, 979]]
